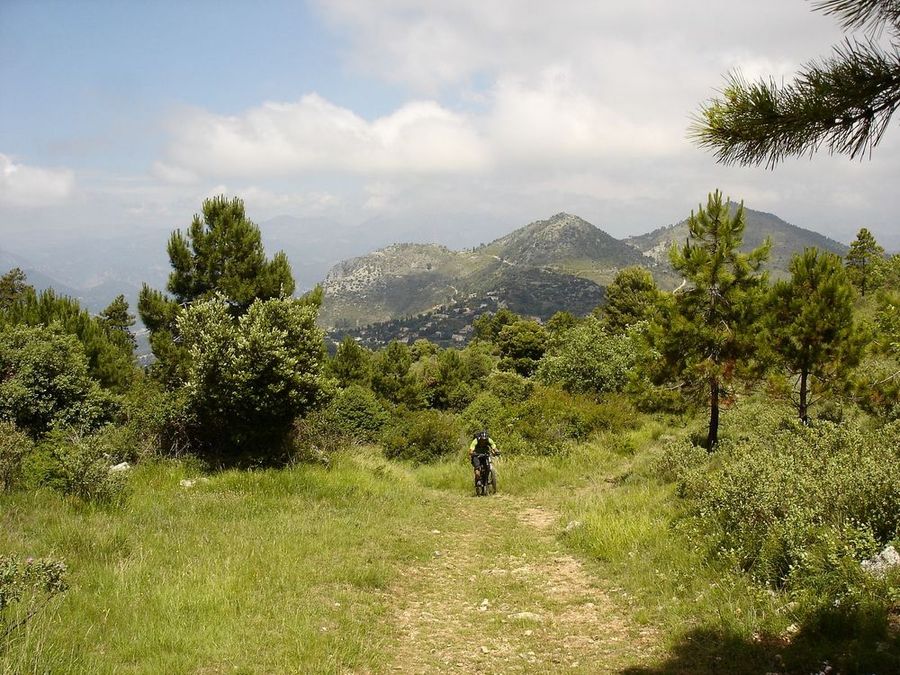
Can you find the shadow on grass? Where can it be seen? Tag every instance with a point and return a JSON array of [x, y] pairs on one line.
[[811, 650]]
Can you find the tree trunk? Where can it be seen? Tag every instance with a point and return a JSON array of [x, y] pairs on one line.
[[713, 438], [804, 386]]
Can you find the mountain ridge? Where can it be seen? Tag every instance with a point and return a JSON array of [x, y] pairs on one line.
[[787, 239], [559, 263], [526, 267]]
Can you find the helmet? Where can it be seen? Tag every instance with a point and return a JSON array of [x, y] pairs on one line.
[[482, 435]]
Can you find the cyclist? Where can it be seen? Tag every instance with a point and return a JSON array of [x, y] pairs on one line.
[[480, 449]]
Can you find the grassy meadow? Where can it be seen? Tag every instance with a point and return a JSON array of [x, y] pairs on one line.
[[372, 565]]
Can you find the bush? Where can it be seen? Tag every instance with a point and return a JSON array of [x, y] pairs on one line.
[[314, 438], [25, 588], [652, 398], [779, 495], [423, 436], [591, 360], [487, 412], [358, 414], [521, 345], [155, 421], [46, 382], [14, 446], [249, 379], [392, 378], [509, 387], [678, 460], [79, 466], [550, 418]]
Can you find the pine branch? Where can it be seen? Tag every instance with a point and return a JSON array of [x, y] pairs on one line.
[[871, 15], [844, 103]]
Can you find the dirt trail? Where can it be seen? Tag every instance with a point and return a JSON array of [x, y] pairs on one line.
[[500, 596]]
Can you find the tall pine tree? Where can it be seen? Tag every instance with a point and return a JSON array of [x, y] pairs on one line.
[[814, 335], [632, 297], [864, 260], [708, 334], [351, 364], [220, 255], [118, 322]]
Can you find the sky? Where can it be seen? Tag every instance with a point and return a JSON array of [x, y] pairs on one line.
[[474, 115]]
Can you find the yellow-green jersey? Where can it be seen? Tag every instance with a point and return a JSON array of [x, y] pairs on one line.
[[489, 447]]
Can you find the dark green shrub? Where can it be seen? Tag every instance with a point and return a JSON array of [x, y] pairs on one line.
[[521, 345], [450, 379], [551, 417], [651, 398], [462, 395], [612, 413], [314, 438], [46, 382], [423, 436], [392, 378], [14, 446], [155, 420], [678, 460], [358, 414], [486, 412], [509, 387], [249, 379], [351, 363], [592, 360]]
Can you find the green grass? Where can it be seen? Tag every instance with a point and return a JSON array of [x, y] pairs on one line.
[[288, 570], [249, 572]]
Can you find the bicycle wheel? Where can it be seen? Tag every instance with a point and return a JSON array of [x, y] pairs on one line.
[[492, 482]]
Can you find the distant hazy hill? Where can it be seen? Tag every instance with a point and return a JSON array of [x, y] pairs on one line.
[[528, 270], [786, 239], [41, 281]]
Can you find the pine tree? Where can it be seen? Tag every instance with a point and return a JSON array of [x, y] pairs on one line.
[[863, 261], [392, 378], [13, 287], [632, 297], [220, 255], [118, 322], [708, 332], [351, 364], [109, 359], [844, 102], [811, 315]]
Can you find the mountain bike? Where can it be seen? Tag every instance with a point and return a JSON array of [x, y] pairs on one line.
[[485, 476]]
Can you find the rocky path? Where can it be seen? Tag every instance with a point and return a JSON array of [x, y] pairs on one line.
[[500, 595]]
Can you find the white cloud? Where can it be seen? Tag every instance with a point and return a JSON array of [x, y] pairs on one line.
[[547, 121], [430, 45], [27, 186], [263, 203], [509, 111], [313, 134], [555, 118]]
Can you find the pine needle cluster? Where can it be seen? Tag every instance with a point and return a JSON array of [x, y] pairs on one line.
[[843, 103]]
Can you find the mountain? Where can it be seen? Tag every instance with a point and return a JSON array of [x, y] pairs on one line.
[[786, 239], [562, 240], [395, 281], [40, 281], [561, 263], [529, 270]]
